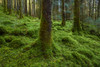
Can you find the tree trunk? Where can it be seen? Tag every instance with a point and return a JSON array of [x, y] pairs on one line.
[[98, 8], [9, 6], [5, 6], [20, 9], [33, 8], [45, 28], [15, 7], [63, 14], [29, 7], [77, 26], [26, 7]]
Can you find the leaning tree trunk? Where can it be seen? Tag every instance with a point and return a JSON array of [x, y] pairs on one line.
[[63, 14], [45, 28], [77, 26]]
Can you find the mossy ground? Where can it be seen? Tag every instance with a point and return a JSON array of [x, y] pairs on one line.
[[69, 50]]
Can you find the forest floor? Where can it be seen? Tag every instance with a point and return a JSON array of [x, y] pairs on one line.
[[70, 50]]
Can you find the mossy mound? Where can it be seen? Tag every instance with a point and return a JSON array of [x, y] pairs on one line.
[[3, 30], [16, 43]]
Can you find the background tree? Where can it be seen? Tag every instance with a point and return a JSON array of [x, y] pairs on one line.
[[98, 8], [29, 7], [5, 6], [15, 6], [63, 14], [26, 7], [9, 6], [20, 9], [33, 8]]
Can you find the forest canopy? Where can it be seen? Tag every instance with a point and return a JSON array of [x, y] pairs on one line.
[[49, 33]]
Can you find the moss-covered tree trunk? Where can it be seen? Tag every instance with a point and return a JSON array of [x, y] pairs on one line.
[[45, 28], [63, 14], [77, 26], [26, 7], [5, 6], [20, 9]]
